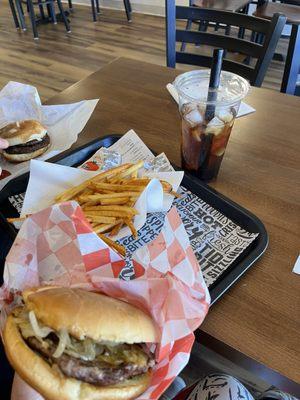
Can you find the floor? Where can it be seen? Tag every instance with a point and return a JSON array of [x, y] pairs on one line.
[[58, 59]]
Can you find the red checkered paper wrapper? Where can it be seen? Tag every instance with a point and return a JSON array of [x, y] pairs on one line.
[[57, 246]]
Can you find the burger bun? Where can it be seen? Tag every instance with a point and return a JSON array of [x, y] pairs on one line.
[[23, 132]]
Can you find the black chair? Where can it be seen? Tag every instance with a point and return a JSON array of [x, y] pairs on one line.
[[17, 5], [271, 31], [96, 9]]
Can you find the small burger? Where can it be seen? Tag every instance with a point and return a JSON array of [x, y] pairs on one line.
[[27, 139], [71, 344]]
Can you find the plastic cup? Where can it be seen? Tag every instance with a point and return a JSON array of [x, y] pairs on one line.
[[205, 134]]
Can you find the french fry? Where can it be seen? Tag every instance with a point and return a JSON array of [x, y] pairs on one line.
[[129, 223], [117, 201], [88, 191], [175, 194], [69, 193], [103, 191], [128, 172], [17, 219], [166, 186], [138, 181], [105, 202], [115, 171], [144, 182], [102, 219], [96, 225], [116, 229], [99, 196], [118, 247], [121, 214], [131, 202], [87, 204], [113, 187], [125, 209], [104, 227]]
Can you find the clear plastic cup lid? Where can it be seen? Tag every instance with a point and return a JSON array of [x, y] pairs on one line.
[[193, 86]]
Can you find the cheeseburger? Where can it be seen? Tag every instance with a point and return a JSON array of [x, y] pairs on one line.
[[27, 139], [71, 344]]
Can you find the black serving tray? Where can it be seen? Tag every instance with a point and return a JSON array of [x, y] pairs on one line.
[[234, 211], [76, 157]]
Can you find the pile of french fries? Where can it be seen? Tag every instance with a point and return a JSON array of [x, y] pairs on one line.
[[108, 200]]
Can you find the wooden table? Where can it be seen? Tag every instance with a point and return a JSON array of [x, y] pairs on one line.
[[292, 62], [258, 318]]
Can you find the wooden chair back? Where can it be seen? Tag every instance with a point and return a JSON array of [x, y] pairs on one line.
[[262, 51]]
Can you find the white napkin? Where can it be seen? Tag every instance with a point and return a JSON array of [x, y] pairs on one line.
[[243, 110]]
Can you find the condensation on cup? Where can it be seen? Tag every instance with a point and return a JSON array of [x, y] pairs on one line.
[[206, 126]]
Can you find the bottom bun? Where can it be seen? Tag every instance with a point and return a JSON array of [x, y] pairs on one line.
[[52, 384], [24, 156]]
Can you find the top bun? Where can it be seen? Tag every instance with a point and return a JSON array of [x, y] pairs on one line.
[[23, 132], [88, 314]]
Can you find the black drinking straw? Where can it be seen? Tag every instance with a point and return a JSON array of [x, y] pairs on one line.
[[214, 82]]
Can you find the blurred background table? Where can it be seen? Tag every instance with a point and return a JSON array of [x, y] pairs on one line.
[[228, 5]]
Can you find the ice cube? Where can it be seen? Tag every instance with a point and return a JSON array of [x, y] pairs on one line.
[[214, 127], [225, 116], [193, 117]]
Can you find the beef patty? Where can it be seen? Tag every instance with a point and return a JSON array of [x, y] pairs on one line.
[[29, 147], [94, 372]]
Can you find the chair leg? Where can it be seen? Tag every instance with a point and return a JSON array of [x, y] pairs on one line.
[[14, 14], [227, 33], [41, 9], [260, 38], [94, 10], [21, 7], [241, 33], [187, 28], [32, 18], [52, 12], [203, 26], [49, 10], [127, 6], [98, 7], [63, 15], [253, 38], [21, 15]]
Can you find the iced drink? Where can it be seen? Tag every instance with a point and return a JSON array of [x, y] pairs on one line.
[[206, 127]]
